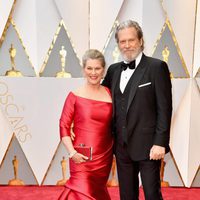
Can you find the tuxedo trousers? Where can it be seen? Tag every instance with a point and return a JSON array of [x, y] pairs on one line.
[[128, 175]]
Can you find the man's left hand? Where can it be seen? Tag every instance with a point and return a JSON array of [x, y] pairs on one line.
[[157, 152]]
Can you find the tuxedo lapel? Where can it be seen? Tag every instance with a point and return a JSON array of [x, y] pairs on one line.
[[137, 76], [116, 76]]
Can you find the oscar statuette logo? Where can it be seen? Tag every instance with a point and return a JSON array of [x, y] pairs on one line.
[[165, 55], [162, 167], [113, 180], [13, 72], [63, 73], [64, 170], [116, 54], [15, 181]]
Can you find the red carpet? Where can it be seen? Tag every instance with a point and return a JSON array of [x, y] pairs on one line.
[[52, 193]]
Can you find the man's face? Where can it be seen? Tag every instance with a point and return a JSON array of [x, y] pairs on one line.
[[129, 44]]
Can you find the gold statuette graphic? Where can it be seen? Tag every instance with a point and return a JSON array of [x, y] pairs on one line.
[[113, 180], [15, 181], [115, 55], [13, 72], [64, 170], [163, 183], [165, 55], [63, 73]]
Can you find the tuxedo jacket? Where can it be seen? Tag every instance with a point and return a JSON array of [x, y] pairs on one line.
[[149, 108]]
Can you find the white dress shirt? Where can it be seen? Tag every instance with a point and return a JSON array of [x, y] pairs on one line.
[[126, 74]]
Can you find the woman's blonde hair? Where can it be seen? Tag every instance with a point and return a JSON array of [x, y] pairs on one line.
[[93, 54]]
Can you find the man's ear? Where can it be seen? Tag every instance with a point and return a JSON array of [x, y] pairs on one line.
[[141, 42]]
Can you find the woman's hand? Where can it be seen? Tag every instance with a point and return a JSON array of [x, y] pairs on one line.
[[79, 158]]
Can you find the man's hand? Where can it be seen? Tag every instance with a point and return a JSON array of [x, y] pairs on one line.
[[157, 152]]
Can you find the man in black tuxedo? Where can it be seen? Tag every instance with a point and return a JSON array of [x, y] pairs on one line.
[[142, 108]]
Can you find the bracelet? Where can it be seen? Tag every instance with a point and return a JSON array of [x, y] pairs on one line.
[[72, 153]]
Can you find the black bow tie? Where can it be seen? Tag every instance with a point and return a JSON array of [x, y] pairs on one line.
[[130, 65]]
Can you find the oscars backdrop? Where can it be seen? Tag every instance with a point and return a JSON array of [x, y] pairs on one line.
[[41, 45]]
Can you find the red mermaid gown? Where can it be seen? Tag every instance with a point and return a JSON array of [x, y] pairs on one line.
[[92, 126]]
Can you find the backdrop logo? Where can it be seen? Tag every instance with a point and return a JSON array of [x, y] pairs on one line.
[[14, 113]]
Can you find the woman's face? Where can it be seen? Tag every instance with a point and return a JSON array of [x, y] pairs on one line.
[[93, 71]]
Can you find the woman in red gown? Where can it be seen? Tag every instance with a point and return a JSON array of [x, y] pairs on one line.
[[90, 109]]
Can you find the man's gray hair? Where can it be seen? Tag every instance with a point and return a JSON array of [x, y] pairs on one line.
[[130, 24]]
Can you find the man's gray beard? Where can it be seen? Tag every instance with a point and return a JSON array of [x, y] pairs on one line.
[[128, 60], [132, 57]]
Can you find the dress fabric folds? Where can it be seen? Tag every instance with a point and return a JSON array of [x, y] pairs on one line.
[[92, 127]]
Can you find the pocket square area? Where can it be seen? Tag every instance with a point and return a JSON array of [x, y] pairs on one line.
[[145, 84]]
